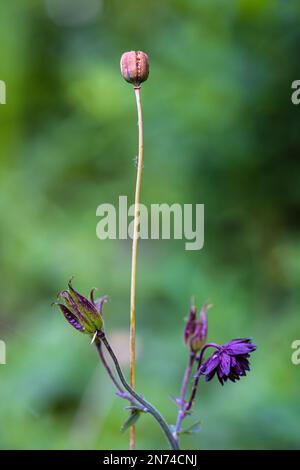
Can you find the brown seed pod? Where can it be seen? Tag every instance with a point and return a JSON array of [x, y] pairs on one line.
[[135, 67]]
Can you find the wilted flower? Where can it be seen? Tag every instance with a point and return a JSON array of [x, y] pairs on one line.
[[195, 332], [229, 361], [83, 314]]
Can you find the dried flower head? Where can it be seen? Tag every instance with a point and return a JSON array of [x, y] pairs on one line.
[[229, 361], [135, 67], [83, 314]]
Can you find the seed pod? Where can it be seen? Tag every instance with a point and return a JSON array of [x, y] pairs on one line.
[[83, 314], [135, 67]]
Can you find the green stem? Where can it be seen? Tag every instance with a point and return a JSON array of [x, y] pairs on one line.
[[120, 392], [150, 409]]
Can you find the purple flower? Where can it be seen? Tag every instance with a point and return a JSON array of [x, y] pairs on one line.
[[83, 314], [229, 361]]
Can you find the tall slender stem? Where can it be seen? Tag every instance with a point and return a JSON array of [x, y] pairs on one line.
[[150, 408], [182, 404], [134, 251]]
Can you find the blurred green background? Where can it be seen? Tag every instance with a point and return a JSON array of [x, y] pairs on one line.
[[220, 129]]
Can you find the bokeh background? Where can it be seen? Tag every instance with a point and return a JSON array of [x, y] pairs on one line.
[[220, 129]]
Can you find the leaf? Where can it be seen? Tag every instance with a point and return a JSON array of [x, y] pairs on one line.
[[194, 428], [176, 400], [132, 419], [138, 407]]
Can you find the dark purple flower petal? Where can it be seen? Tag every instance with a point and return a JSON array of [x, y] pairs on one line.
[[225, 363], [233, 361], [237, 369], [243, 363], [237, 340], [210, 375], [211, 363], [233, 377], [240, 346], [221, 377]]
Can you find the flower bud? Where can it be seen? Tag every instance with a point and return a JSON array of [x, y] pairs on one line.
[[195, 332], [196, 342], [135, 67], [203, 322], [190, 325]]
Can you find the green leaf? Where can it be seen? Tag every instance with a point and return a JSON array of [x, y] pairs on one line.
[[194, 428], [132, 419], [137, 407]]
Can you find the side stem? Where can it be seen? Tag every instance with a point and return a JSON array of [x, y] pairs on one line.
[[182, 404], [198, 375], [120, 392], [150, 408], [134, 252]]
